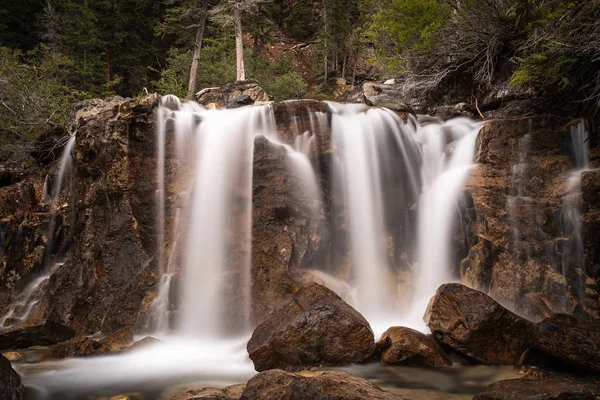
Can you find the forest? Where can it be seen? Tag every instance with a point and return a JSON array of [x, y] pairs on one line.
[[54, 52]]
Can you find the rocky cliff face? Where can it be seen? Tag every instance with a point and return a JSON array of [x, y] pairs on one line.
[[511, 241]]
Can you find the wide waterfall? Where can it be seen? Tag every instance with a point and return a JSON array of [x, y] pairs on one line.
[[395, 185]]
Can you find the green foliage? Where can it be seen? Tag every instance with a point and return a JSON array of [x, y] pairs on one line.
[[287, 86], [33, 96]]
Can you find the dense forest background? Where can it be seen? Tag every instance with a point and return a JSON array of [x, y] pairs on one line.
[[54, 52]]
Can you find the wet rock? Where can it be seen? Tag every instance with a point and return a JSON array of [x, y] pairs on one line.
[[474, 324], [79, 347], [402, 345], [316, 328], [386, 96], [146, 342], [11, 387], [536, 389], [35, 334], [13, 356], [276, 385], [235, 94], [118, 340], [570, 340], [232, 392]]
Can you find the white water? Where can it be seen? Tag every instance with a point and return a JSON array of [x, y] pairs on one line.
[[445, 171], [24, 303]]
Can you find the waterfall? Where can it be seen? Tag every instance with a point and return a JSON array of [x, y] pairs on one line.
[[217, 147], [370, 146], [448, 151], [24, 303], [572, 262]]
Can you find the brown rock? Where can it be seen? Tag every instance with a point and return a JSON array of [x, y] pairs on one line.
[[145, 342], [570, 340], [477, 326], [80, 347], [316, 328], [11, 387], [535, 389], [118, 340], [43, 334], [232, 392], [276, 385], [402, 345]]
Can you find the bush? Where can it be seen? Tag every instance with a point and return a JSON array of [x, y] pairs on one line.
[[288, 86], [33, 98]]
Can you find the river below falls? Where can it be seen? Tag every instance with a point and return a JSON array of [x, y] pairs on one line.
[[161, 370]]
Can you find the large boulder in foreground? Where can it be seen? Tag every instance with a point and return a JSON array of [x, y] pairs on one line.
[[277, 385], [35, 334], [11, 387], [402, 345], [570, 340], [232, 392], [477, 326], [536, 389], [316, 328]]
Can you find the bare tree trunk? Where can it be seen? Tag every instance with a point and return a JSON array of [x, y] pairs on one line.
[[345, 60], [239, 44], [197, 48], [325, 41], [354, 67]]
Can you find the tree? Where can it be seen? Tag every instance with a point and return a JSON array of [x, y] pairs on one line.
[[230, 12], [197, 47]]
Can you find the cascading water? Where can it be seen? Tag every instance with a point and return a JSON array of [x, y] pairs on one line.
[[448, 150], [572, 263], [24, 303], [396, 182]]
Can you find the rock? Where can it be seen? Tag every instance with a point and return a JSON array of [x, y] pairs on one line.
[[535, 389], [385, 96], [232, 392], [11, 387], [474, 324], [80, 347], [570, 340], [402, 345], [316, 328], [13, 356], [118, 340], [146, 342], [276, 385], [235, 94], [43, 334]]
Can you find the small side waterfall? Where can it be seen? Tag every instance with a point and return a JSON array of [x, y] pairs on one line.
[[573, 262], [448, 150], [24, 303]]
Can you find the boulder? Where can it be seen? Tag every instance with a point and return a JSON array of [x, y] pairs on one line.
[[118, 340], [316, 328], [387, 96], [276, 385], [474, 324], [402, 345], [570, 340], [79, 347], [232, 392], [233, 95], [40, 334], [535, 389], [11, 387], [146, 342]]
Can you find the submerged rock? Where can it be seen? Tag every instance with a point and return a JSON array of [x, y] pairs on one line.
[[570, 340], [316, 328], [536, 389], [11, 387], [36, 334], [474, 324], [79, 347], [402, 345]]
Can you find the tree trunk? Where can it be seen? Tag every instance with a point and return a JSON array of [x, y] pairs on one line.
[[239, 44], [197, 48], [354, 67], [325, 42]]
